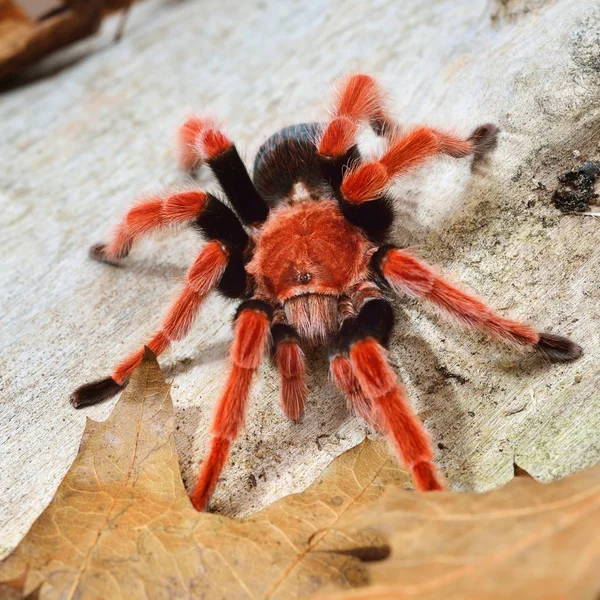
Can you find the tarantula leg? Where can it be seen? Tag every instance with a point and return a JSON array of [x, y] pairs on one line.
[[250, 342], [375, 319], [484, 139], [343, 376], [405, 273], [201, 141], [150, 215], [201, 279], [291, 365], [380, 384], [359, 98], [95, 392], [189, 156], [368, 181], [558, 348]]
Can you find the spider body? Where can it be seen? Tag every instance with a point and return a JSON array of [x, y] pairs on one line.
[[305, 247], [307, 256]]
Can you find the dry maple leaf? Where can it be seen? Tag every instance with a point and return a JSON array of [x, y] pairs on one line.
[[527, 540], [121, 524]]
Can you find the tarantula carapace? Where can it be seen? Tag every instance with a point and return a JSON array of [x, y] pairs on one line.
[[304, 244]]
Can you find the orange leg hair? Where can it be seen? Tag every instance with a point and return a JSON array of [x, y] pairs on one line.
[[292, 367], [343, 376], [248, 348], [369, 180], [406, 433], [199, 140], [203, 276], [407, 274], [359, 98], [151, 215]]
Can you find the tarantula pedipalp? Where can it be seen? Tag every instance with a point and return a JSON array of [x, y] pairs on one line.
[[308, 254]]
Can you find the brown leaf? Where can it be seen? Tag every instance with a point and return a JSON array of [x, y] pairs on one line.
[[121, 525], [526, 540], [29, 42], [24, 41]]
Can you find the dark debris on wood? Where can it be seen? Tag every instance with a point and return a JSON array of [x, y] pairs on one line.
[[575, 191]]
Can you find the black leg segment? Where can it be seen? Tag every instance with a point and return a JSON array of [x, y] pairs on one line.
[[375, 218], [218, 222], [375, 319], [282, 332], [235, 181]]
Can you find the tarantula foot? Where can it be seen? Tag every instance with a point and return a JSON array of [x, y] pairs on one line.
[[485, 139], [558, 348], [98, 252], [95, 392]]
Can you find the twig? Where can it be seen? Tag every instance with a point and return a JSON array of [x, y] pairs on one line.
[[123, 21]]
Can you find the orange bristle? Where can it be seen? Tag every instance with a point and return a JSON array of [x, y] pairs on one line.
[[410, 151], [207, 480], [212, 142], [338, 137], [360, 98], [341, 373], [365, 182], [188, 157], [292, 366], [183, 206]]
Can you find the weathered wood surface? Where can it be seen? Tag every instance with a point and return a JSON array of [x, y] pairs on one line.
[[78, 144]]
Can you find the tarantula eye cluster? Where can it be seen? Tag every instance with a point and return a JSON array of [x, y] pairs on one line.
[[304, 278], [306, 248]]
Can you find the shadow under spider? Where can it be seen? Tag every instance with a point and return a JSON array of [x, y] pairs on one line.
[[441, 411], [210, 354], [163, 270], [326, 413]]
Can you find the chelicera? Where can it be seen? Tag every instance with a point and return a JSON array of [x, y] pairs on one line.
[[305, 245]]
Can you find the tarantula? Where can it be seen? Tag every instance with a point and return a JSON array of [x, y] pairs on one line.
[[304, 244]]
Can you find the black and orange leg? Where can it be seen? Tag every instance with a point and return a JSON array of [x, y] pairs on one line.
[[405, 273], [219, 266], [201, 279], [365, 368], [374, 319], [291, 365], [362, 187], [359, 98], [251, 339], [368, 181], [201, 141]]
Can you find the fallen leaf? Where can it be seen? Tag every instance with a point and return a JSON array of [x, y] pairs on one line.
[[121, 524], [25, 41], [29, 42], [526, 540]]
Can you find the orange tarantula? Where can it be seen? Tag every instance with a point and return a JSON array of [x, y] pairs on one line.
[[304, 244]]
